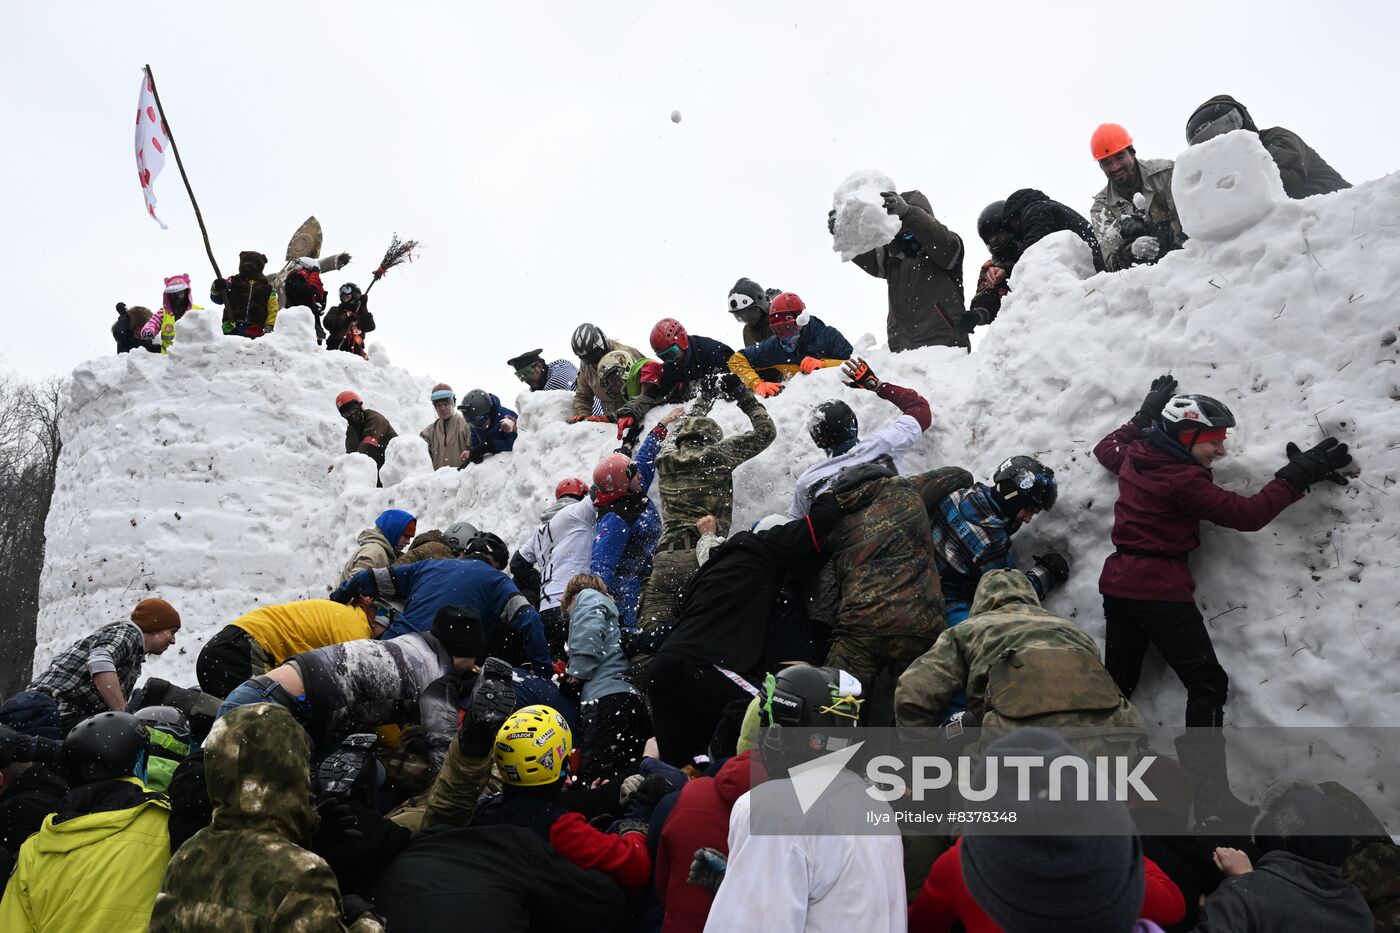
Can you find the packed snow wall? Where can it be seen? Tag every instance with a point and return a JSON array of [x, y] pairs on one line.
[[213, 477]]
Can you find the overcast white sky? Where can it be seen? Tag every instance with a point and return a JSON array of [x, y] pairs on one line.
[[529, 146]]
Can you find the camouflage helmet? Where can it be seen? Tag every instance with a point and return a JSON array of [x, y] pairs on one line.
[[612, 371]]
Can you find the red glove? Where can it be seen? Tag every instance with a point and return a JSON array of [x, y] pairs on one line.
[[559, 667], [623, 424], [575, 419], [651, 373], [811, 364], [767, 389], [600, 419], [371, 442]]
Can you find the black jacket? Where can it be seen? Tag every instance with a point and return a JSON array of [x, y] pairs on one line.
[[725, 607], [1286, 892], [499, 878], [1032, 216], [34, 795], [1303, 171]]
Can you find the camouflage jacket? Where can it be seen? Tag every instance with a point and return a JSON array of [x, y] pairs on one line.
[[886, 580], [1018, 664], [429, 545], [697, 474], [247, 870]]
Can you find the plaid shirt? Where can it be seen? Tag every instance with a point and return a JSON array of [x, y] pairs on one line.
[[970, 537], [118, 648]]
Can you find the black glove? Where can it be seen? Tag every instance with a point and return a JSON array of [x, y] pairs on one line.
[[647, 793], [478, 453], [219, 287], [631, 826], [345, 593], [492, 702], [1322, 462], [352, 907], [1163, 388], [121, 307], [1056, 563], [707, 869], [15, 746], [732, 386], [894, 204], [831, 222], [965, 321], [338, 824]]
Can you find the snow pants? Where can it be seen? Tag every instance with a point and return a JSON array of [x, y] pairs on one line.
[[1179, 632], [688, 697], [865, 657], [670, 570], [615, 729], [228, 659]]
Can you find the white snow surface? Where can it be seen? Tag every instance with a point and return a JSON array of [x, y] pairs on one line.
[[862, 223], [201, 476]]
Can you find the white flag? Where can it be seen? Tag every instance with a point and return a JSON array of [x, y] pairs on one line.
[[151, 143]]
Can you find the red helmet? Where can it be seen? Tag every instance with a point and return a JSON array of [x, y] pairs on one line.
[[345, 398], [669, 333], [573, 486], [613, 474], [786, 314], [1108, 139]]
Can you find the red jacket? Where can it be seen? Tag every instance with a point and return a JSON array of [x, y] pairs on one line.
[[1161, 501], [944, 900], [700, 818]]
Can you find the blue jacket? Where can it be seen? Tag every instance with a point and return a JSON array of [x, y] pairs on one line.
[[816, 339], [428, 585], [595, 647], [495, 440], [625, 537], [970, 537]]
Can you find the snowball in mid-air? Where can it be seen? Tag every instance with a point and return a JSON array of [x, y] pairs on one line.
[[862, 223], [675, 116]]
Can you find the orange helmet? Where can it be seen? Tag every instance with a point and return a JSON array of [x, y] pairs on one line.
[[345, 398], [1108, 139]]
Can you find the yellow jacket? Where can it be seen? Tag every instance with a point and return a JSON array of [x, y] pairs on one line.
[[98, 872], [291, 628]]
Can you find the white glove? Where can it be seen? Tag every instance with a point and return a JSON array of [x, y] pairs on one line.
[[508, 425], [1146, 248]]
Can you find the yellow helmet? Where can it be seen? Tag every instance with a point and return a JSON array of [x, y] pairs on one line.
[[533, 746]]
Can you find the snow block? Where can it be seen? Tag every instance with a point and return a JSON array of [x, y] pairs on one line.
[[1225, 186], [862, 223]]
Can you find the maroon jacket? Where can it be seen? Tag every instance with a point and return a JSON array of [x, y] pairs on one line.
[[1161, 501], [700, 818]]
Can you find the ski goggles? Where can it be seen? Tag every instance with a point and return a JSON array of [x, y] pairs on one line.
[[1232, 120], [525, 373], [671, 354]]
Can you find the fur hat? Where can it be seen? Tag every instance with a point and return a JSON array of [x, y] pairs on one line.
[[155, 615]]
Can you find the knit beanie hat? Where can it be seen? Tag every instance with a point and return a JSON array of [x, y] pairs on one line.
[[1054, 883], [177, 283], [459, 631], [155, 615], [1295, 822]]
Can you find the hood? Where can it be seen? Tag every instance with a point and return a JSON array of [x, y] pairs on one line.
[[1022, 199], [392, 522], [554, 508], [251, 260], [1002, 589], [1227, 99], [1319, 881], [917, 199], [698, 431], [431, 536], [735, 776], [257, 765], [590, 600], [113, 805], [856, 486]]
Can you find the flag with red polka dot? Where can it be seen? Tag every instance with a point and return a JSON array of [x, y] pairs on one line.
[[151, 142]]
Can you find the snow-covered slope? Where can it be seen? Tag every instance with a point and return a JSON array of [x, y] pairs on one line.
[[202, 477]]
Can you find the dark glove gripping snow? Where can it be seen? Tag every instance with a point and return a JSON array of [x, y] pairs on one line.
[[1322, 462], [1056, 564]]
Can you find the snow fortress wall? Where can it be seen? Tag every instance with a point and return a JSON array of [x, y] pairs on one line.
[[202, 476]]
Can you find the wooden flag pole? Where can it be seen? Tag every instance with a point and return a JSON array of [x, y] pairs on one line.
[[183, 177]]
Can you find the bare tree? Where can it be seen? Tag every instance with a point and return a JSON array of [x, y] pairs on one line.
[[30, 443]]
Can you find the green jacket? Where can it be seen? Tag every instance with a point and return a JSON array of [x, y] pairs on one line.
[[882, 555], [96, 872], [925, 289], [1110, 207], [1303, 171], [247, 871], [696, 476], [1018, 664]]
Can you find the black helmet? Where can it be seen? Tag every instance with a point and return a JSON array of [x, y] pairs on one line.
[[832, 424], [992, 219], [105, 746], [808, 697], [350, 291], [589, 340], [1024, 482], [166, 719], [1213, 120], [1185, 412], [490, 547], [458, 535], [476, 407]]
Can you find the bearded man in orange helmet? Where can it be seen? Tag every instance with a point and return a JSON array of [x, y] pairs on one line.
[[1134, 216]]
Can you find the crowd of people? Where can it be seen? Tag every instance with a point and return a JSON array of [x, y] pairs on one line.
[[578, 732]]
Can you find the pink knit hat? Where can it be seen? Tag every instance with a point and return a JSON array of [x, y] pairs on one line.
[[177, 283]]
